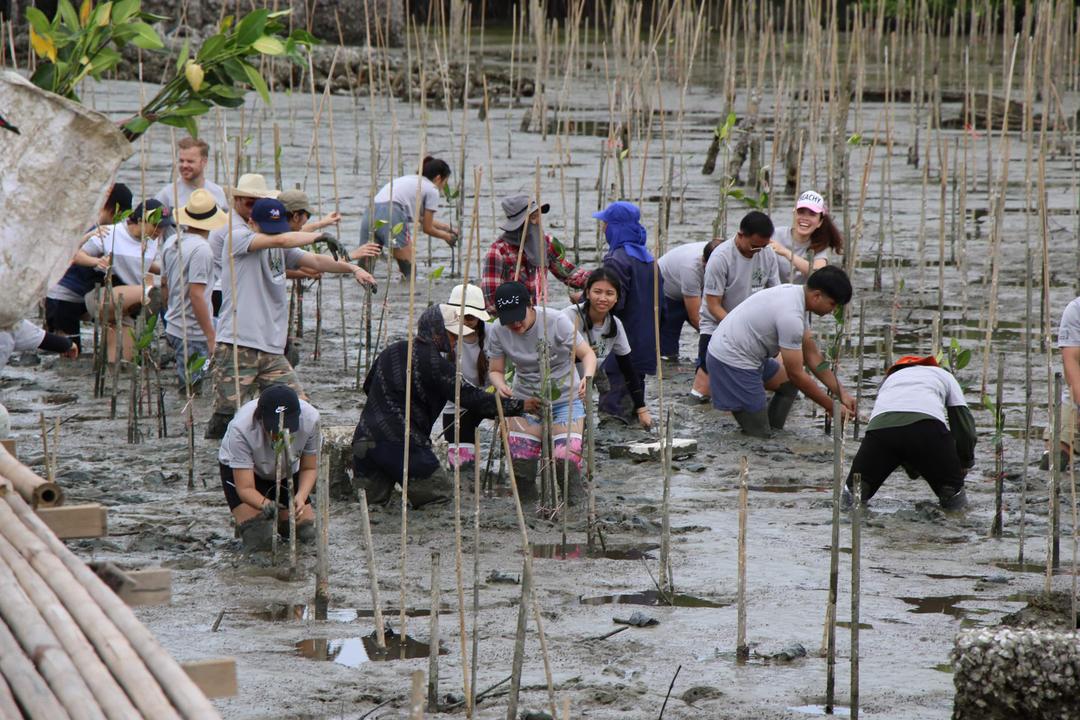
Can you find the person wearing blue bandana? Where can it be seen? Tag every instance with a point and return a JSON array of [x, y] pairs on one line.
[[629, 258]]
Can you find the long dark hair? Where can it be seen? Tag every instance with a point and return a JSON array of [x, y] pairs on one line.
[[434, 168], [827, 236], [482, 360], [608, 276]]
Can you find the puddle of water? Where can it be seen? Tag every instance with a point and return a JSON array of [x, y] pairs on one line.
[[938, 604], [788, 488], [945, 576], [558, 551], [1039, 568], [652, 597], [820, 710], [301, 612], [355, 651]]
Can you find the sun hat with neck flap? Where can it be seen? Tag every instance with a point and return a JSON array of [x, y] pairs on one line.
[[624, 229]]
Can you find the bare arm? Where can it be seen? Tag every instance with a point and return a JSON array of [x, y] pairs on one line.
[[325, 263], [436, 229], [693, 310], [497, 375], [284, 240], [244, 479], [85, 259], [585, 355], [197, 295], [331, 219], [715, 305], [1070, 361], [309, 465]]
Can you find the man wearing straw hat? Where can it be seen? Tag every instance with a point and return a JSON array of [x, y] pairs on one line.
[[522, 238], [191, 160], [252, 328], [907, 427], [188, 278], [249, 188]]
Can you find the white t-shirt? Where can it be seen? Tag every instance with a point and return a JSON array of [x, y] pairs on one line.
[[129, 263], [24, 336], [682, 270], [1069, 329], [247, 446], [198, 267], [183, 193], [524, 351], [735, 277], [919, 389], [756, 330], [597, 335], [405, 194], [788, 274]]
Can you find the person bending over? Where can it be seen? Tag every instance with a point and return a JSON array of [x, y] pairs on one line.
[[907, 427], [249, 466]]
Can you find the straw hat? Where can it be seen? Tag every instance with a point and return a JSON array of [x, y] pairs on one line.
[[201, 212], [252, 185]]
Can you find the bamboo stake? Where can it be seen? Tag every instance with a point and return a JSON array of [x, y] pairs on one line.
[[999, 452], [834, 562], [856, 584], [742, 650], [416, 694], [433, 638], [27, 686], [1027, 404], [33, 489], [369, 547], [322, 537], [1053, 558]]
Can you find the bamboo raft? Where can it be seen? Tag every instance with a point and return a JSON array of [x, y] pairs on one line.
[[69, 646]]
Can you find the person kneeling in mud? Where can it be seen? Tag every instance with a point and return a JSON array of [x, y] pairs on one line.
[[378, 447], [519, 336], [907, 427], [249, 468]]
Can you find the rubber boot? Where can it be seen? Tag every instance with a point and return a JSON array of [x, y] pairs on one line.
[[576, 494], [525, 477], [435, 489], [755, 424], [305, 532], [405, 267], [218, 424], [292, 351], [955, 503], [780, 405], [256, 534]]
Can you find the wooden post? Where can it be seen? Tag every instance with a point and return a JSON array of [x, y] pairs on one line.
[[373, 578], [834, 563], [856, 581], [1053, 559], [322, 537], [742, 650], [433, 640], [999, 452], [859, 377], [667, 584], [519, 642], [590, 526]]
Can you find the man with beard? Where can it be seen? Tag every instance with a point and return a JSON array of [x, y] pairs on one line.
[[192, 158], [539, 255]]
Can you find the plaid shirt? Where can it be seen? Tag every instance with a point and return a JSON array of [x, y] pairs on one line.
[[499, 268]]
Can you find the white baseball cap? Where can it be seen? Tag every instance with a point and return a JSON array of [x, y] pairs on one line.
[[474, 301], [454, 323]]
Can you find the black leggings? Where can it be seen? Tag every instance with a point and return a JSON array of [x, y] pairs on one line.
[[926, 446], [469, 422]]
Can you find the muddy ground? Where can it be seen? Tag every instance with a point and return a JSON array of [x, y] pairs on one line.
[[925, 576]]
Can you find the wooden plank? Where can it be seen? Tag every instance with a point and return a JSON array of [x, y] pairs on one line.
[[9, 445], [216, 677], [153, 586], [76, 521]]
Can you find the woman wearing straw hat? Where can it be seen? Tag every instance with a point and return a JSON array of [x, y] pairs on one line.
[[187, 281], [810, 243]]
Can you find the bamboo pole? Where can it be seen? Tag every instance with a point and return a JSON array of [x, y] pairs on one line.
[[742, 650], [999, 452], [433, 638], [856, 584], [519, 635], [33, 489], [114, 702], [322, 536], [834, 562], [373, 578], [27, 686], [180, 689]]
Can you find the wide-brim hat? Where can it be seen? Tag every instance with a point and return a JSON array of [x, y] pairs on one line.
[[474, 301], [517, 209], [201, 212], [252, 185]]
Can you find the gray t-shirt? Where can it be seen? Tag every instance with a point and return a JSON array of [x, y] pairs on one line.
[[220, 238], [597, 335], [735, 277], [788, 274], [523, 351], [756, 330], [1069, 330], [405, 194], [261, 300], [247, 446], [190, 253], [682, 270], [183, 193], [24, 336], [129, 263]]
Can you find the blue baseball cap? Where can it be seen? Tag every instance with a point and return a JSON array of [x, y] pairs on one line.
[[270, 216]]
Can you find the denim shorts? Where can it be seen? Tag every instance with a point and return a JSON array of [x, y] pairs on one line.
[[391, 215], [560, 413]]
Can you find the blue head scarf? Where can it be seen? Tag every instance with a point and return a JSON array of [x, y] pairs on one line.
[[624, 229]]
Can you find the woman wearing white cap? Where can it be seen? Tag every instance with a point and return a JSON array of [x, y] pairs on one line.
[[473, 371], [810, 243]]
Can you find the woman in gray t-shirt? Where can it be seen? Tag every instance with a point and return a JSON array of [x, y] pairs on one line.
[[810, 243]]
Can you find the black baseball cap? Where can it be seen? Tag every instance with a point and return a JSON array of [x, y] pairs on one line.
[[147, 207], [511, 302], [277, 400]]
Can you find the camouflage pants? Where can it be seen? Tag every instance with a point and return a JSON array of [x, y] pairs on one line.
[[258, 371]]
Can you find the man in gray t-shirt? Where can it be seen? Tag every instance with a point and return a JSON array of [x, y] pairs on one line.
[[192, 158], [683, 270], [252, 323], [250, 465], [742, 353], [737, 268]]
